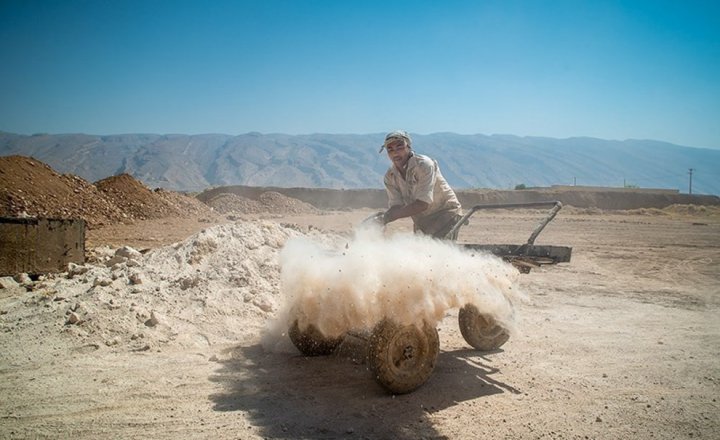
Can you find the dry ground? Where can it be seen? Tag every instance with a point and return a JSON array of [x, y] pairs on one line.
[[622, 342]]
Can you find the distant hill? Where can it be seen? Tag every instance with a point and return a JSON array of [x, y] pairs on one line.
[[351, 161]]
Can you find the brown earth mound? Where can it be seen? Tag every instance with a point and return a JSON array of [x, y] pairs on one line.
[[31, 188], [138, 202], [133, 198], [185, 205]]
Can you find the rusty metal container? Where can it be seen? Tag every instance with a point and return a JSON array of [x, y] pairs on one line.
[[40, 245]]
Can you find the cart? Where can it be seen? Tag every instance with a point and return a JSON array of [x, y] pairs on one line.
[[403, 357]]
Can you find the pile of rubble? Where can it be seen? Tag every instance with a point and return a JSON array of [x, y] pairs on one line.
[[282, 204], [137, 201], [30, 188], [228, 203], [218, 286], [268, 202]]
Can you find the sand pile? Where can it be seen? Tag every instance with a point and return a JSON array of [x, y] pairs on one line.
[[281, 204], [693, 210], [137, 202], [31, 188], [228, 203], [218, 286], [268, 202], [678, 210], [133, 198]]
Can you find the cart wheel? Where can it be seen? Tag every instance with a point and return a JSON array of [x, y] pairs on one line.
[[481, 330], [311, 342], [402, 357]]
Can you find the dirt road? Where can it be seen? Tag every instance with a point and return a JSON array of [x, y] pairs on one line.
[[622, 342]]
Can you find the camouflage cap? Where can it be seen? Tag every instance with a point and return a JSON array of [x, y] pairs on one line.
[[397, 134]]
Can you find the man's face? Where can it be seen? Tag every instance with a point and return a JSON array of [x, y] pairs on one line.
[[398, 152]]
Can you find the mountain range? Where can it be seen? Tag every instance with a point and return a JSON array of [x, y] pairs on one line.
[[351, 161]]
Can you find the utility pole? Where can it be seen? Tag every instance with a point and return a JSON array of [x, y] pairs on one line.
[[690, 172]]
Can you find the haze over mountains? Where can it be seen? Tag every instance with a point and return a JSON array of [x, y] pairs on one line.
[[196, 162]]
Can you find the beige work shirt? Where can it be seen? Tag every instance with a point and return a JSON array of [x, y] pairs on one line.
[[423, 181]]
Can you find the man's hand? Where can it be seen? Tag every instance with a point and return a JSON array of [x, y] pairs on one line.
[[377, 219]]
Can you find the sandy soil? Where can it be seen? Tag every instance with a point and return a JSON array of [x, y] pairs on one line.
[[622, 342]]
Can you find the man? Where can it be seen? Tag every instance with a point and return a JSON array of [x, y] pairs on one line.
[[417, 189]]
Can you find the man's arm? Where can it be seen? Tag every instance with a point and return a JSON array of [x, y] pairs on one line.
[[401, 211]]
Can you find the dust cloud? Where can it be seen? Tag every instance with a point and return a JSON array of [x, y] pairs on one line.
[[404, 277]]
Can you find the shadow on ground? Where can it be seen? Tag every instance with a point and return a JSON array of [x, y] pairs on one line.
[[288, 396]]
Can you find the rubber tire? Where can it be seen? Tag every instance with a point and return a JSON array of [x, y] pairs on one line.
[[311, 342], [402, 358], [481, 330]]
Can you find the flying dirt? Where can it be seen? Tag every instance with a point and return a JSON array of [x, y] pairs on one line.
[[406, 277]]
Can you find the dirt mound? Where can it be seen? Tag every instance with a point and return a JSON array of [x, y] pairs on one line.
[[217, 286], [693, 210], [32, 188], [675, 210], [183, 204], [134, 199], [227, 203], [138, 202], [282, 204], [268, 202]]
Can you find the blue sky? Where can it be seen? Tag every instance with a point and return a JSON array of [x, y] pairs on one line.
[[607, 69]]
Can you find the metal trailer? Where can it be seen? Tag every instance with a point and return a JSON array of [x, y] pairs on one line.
[[402, 357]]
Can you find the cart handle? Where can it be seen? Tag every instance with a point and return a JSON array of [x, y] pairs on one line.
[[556, 206]]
